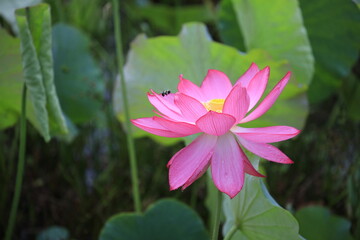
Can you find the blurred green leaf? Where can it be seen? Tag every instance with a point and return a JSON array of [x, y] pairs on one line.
[[353, 200], [317, 223], [156, 63], [53, 233], [164, 220], [229, 30], [10, 79], [167, 19], [277, 27], [335, 39], [8, 7], [77, 76], [256, 215], [89, 16], [351, 94]]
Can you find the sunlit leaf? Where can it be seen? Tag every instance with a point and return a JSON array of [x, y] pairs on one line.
[[10, 79], [156, 63], [77, 76], [164, 220], [317, 223], [277, 27], [255, 215]]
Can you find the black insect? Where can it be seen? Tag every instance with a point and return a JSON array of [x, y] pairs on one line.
[[166, 92]]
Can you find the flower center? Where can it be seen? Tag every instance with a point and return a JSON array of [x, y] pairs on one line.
[[215, 105]]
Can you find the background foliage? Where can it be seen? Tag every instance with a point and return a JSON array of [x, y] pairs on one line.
[[80, 178]]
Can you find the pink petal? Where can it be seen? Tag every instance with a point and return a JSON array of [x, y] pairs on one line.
[[248, 75], [188, 88], [177, 127], [268, 101], [162, 115], [214, 123], [248, 167], [165, 106], [266, 151], [190, 108], [167, 100], [237, 103], [197, 174], [216, 85], [151, 126], [190, 160], [266, 134], [227, 165], [257, 86]]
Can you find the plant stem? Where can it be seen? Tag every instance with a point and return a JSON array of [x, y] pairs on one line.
[[230, 233], [12, 154], [20, 168], [215, 229], [129, 136]]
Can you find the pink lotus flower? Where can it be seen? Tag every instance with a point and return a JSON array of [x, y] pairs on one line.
[[217, 109]]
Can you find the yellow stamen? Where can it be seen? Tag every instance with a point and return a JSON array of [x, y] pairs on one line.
[[215, 105]]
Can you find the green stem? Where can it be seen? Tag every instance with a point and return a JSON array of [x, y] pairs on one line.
[[129, 136], [20, 168], [215, 229], [12, 154], [231, 233]]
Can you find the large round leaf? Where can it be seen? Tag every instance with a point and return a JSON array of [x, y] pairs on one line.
[[166, 219], [335, 39], [53, 233], [77, 76], [275, 26], [229, 30], [317, 223], [255, 215], [156, 63]]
